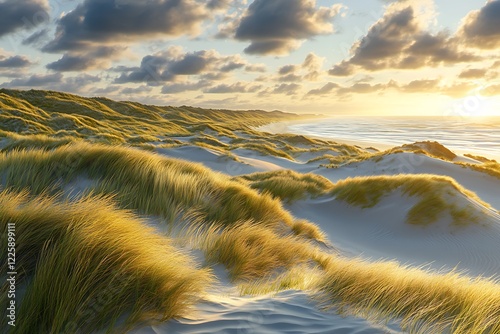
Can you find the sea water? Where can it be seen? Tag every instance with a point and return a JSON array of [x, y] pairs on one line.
[[478, 136]]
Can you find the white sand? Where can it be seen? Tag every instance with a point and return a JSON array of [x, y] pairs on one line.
[[376, 233], [380, 232]]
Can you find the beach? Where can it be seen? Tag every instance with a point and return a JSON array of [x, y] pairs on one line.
[[239, 226]]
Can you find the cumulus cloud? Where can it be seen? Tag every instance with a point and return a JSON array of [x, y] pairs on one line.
[[167, 65], [22, 15], [481, 28], [287, 89], [473, 73], [36, 80], [179, 87], [99, 57], [309, 70], [326, 89], [137, 90], [237, 87], [78, 84], [110, 21], [260, 68], [420, 86], [279, 26], [14, 61], [399, 40]]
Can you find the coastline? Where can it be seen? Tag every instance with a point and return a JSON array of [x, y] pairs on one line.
[[283, 127]]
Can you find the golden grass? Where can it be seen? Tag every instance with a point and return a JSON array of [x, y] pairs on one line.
[[423, 302], [491, 168], [479, 158], [250, 251], [287, 184], [435, 192], [73, 252], [104, 120], [145, 182], [85, 265]]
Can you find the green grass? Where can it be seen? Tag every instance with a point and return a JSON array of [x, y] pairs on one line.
[[87, 264]]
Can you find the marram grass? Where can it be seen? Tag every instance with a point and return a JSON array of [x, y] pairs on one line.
[[146, 182], [423, 302], [287, 184], [436, 195], [92, 264], [250, 251], [88, 265]]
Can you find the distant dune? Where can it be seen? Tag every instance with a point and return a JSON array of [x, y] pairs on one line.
[[148, 219]]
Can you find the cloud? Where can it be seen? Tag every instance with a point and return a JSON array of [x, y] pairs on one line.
[[419, 86], [491, 90], [118, 21], [326, 89], [473, 73], [78, 84], [279, 26], [287, 69], [136, 91], [184, 87], [399, 40], [481, 28], [218, 4], [14, 62], [167, 65], [238, 87], [36, 80], [22, 15], [100, 57], [457, 90], [288, 89], [260, 68], [309, 70]]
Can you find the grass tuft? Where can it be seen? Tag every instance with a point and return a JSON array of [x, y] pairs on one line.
[[87, 265]]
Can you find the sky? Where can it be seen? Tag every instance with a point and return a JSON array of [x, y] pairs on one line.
[[356, 57]]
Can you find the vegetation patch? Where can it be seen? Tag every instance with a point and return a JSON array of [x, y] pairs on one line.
[[86, 265], [437, 195], [422, 301], [287, 184]]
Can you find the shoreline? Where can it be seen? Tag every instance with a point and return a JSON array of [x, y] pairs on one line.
[[283, 127]]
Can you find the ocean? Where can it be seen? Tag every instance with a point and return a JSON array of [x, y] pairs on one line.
[[479, 136]]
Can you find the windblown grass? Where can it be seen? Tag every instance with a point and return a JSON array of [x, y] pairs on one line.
[[251, 251], [18, 142], [51, 113], [87, 265], [145, 182], [491, 168], [91, 264], [287, 184], [423, 302], [437, 195]]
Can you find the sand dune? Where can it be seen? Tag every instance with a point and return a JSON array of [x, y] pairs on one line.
[[286, 233], [290, 312]]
